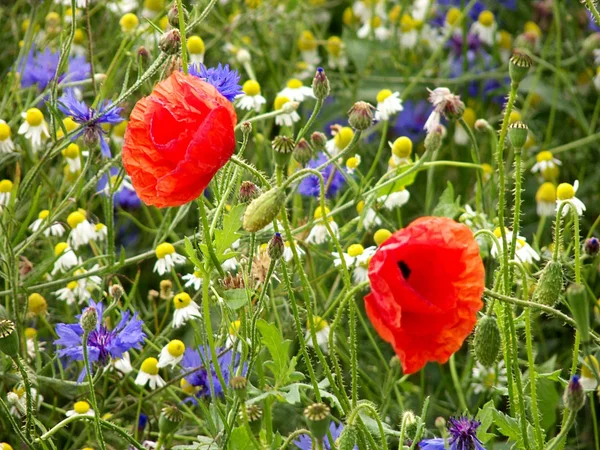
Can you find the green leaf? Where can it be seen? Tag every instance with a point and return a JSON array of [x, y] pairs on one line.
[[281, 366], [240, 440], [191, 252], [447, 206], [486, 417], [232, 222], [510, 427], [235, 298]]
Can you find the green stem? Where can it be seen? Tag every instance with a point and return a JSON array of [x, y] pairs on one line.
[[383, 140], [557, 441], [88, 370], [459, 392], [475, 158], [207, 238], [29, 428], [184, 62], [310, 121]]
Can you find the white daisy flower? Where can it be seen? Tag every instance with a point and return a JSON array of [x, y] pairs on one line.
[[352, 163], [122, 6], [148, 374], [171, 354], [67, 294], [342, 136], [363, 10], [566, 192], [185, 309], [152, 8], [195, 46], [486, 380], [319, 234], [234, 337], [35, 128], [369, 217], [336, 53], [295, 91], [523, 253], [376, 25], [100, 232], [485, 28], [402, 149], [66, 258], [32, 343], [193, 279], [308, 46], [545, 198], [409, 36], [6, 143], [395, 199], [81, 408], [388, 103], [82, 231], [121, 365], [56, 229], [251, 98], [6, 187], [322, 332], [17, 398], [289, 115], [544, 161], [288, 254], [589, 370], [167, 258]]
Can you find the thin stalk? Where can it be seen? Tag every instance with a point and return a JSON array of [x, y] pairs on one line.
[[88, 370]]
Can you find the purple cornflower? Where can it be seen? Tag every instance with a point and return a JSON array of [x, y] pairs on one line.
[[456, 44], [463, 436], [103, 344], [304, 442], [82, 114], [310, 186], [39, 68], [223, 78], [411, 120], [125, 197], [200, 378]]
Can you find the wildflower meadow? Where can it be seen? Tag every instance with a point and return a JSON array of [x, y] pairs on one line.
[[299, 224]]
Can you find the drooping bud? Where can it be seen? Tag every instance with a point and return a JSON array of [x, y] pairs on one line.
[[263, 210], [517, 134], [320, 84], [550, 284], [347, 440], [152, 295], [302, 152], [591, 246], [486, 343], [239, 386], [170, 418], [9, 341], [319, 140], [248, 192], [246, 128], [360, 116], [283, 147], [433, 140], [318, 418], [89, 319], [519, 66], [580, 309], [173, 15], [574, 396], [116, 291], [275, 247], [170, 42]]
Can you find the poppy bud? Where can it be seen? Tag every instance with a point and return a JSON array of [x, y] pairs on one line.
[[302, 152], [173, 15], [283, 147], [320, 84], [517, 134], [318, 418], [254, 417], [591, 246], [486, 343], [574, 396], [319, 140], [239, 386], [248, 192], [263, 210], [275, 247], [143, 53], [519, 66], [360, 116], [246, 128], [89, 319], [433, 140], [169, 420], [550, 285], [580, 309], [116, 291], [410, 423], [347, 440], [9, 341]]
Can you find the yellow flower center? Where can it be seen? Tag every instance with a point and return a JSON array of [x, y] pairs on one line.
[[486, 18], [515, 116], [79, 37], [4, 131], [469, 116], [30, 333], [6, 186], [34, 117], [407, 23], [402, 147], [25, 25], [356, 250], [343, 137], [60, 247], [505, 40], [154, 5], [590, 366], [307, 41], [498, 232], [182, 300], [150, 366], [234, 328], [383, 94], [198, 274], [546, 193], [533, 28], [195, 45], [251, 87], [375, 22], [294, 83], [43, 214], [163, 23], [129, 22], [487, 169], [75, 218], [318, 323], [72, 285], [392, 163], [544, 155], [5, 446], [37, 304], [280, 100], [348, 16], [176, 348], [452, 15], [352, 162], [360, 206], [565, 191], [319, 213], [394, 13], [334, 46], [119, 129], [81, 407], [99, 227], [164, 249], [381, 236], [72, 151]]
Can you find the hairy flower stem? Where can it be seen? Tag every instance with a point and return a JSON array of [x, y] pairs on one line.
[[255, 443], [184, 56], [475, 158], [384, 132], [517, 209], [566, 426], [92, 390], [29, 428], [310, 121]]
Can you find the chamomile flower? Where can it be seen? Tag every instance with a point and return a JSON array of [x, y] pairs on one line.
[[336, 53], [319, 234], [129, 22], [395, 199], [565, 192], [100, 232], [363, 9], [307, 44], [368, 217], [461, 137], [5, 446], [485, 28], [545, 161], [352, 163], [67, 294], [148, 374], [376, 26], [402, 149], [6, 187], [81, 408], [523, 252], [66, 258], [342, 136], [233, 337], [381, 235], [590, 369], [167, 258], [295, 91], [56, 229], [78, 48], [153, 8], [193, 279], [6, 143], [505, 42], [120, 365], [171, 354], [34, 128], [33, 345], [73, 158], [321, 328], [79, 290], [489, 379], [17, 398], [545, 198], [185, 309], [409, 37], [288, 254], [196, 49], [82, 231], [289, 115], [357, 257], [251, 98], [388, 103]]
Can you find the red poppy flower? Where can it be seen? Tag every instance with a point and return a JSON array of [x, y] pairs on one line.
[[426, 285], [177, 139]]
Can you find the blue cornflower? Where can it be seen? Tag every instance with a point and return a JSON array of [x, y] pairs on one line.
[[39, 68], [195, 359], [304, 442], [125, 196], [463, 436], [226, 80], [411, 120], [103, 344], [81, 114], [310, 186]]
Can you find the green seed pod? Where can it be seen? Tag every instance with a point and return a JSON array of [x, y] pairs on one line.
[[9, 341], [318, 418], [283, 147], [580, 309], [254, 417], [517, 134], [519, 66], [347, 439], [550, 284], [263, 210], [239, 385], [486, 343], [170, 418]]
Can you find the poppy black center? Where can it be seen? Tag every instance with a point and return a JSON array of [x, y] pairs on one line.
[[404, 269]]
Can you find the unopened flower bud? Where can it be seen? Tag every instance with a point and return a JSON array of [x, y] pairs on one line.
[[518, 66], [360, 116], [318, 418], [347, 440], [116, 291], [170, 418], [9, 341], [239, 386], [166, 287], [319, 140], [302, 152], [486, 343], [153, 295], [517, 134], [170, 42], [173, 15], [143, 53], [580, 309], [263, 210], [550, 284], [89, 319], [275, 247], [410, 424], [440, 423], [320, 84], [283, 147], [591, 246], [433, 140], [574, 396], [37, 305], [248, 192], [246, 128], [482, 125]]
